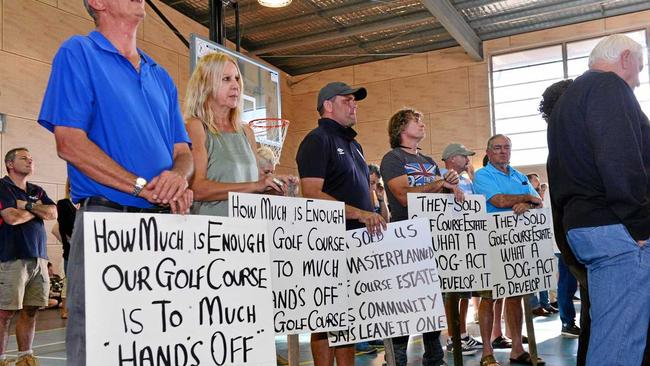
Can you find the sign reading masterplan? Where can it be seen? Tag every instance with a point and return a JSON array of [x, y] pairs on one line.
[[394, 287], [458, 235], [522, 252], [177, 290], [307, 246]]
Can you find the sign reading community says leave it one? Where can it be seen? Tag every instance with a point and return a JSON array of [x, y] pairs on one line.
[[459, 238], [307, 246], [522, 252], [393, 287], [177, 290]]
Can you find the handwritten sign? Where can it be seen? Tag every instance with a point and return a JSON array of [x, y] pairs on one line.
[[522, 252], [394, 287], [458, 235], [307, 245], [177, 290]]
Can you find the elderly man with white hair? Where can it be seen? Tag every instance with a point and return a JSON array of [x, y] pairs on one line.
[[599, 172]]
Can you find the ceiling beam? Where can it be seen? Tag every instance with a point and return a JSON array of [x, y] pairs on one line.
[[456, 25], [374, 26]]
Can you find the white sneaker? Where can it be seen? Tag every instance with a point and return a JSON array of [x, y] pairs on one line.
[[472, 342], [465, 349]]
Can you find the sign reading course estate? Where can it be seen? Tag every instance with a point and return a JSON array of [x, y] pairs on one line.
[[522, 252], [458, 236], [393, 286], [307, 246], [177, 290]]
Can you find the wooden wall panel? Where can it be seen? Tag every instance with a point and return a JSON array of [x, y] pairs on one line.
[[22, 85], [434, 92], [639, 19], [390, 69], [40, 142], [290, 147], [479, 89], [376, 106], [48, 2], [36, 30], [155, 31], [448, 58], [464, 126], [581, 30], [75, 7], [495, 45], [315, 81], [373, 137], [304, 112], [1, 24]]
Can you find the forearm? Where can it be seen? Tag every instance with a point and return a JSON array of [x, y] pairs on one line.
[[434, 187], [75, 148], [45, 212], [16, 216], [383, 210], [509, 200], [184, 164]]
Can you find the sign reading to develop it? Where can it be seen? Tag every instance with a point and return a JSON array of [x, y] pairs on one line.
[[177, 290], [394, 286], [522, 252], [307, 246], [458, 234]]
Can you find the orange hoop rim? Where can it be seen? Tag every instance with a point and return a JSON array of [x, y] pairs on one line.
[[280, 122]]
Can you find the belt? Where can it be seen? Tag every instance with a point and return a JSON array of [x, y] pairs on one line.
[[101, 201]]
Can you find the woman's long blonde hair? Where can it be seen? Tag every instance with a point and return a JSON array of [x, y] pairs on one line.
[[205, 80]]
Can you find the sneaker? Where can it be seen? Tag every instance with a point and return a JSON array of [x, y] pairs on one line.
[[472, 342], [28, 360], [363, 348], [465, 349], [571, 331], [551, 309]]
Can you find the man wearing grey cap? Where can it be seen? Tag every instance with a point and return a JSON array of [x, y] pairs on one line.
[[332, 167]]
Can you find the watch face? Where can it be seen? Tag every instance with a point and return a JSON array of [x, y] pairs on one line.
[[140, 182]]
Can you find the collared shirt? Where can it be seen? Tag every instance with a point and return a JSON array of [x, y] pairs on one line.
[[489, 181], [134, 117], [29, 239], [330, 152]]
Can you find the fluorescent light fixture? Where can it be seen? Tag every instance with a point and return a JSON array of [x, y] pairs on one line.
[[274, 3]]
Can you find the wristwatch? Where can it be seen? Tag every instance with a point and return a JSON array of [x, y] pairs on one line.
[[138, 186], [29, 206]]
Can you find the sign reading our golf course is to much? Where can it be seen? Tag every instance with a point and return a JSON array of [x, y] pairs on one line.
[[177, 290]]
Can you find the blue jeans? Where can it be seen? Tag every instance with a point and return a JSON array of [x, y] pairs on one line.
[[567, 285], [618, 271], [433, 353], [542, 300]]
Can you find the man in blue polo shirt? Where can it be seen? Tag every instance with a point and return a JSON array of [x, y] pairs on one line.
[[115, 116], [504, 189], [332, 167], [24, 281]]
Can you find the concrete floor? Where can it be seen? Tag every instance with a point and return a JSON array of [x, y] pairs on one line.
[[49, 344]]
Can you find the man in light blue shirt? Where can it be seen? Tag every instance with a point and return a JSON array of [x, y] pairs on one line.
[[504, 189]]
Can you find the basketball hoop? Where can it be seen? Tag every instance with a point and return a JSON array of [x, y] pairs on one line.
[[270, 132]]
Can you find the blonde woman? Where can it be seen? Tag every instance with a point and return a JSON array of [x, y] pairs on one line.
[[223, 147]]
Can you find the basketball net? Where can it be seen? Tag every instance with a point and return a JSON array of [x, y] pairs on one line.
[[270, 132]]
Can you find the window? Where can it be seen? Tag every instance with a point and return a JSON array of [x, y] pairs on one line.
[[520, 78]]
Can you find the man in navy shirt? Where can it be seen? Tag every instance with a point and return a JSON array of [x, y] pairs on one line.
[[599, 173], [115, 116], [24, 281], [332, 167]]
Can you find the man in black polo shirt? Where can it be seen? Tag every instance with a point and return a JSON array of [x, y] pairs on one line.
[[24, 282], [332, 167]]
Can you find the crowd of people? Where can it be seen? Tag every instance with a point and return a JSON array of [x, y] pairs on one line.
[[117, 123]]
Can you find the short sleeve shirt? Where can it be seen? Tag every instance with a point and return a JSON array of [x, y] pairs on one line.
[[489, 181], [27, 240], [331, 153], [134, 117], [419, 170]]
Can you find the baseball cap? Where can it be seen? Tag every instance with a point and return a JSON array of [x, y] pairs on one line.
[[333, 89], [456, 149]]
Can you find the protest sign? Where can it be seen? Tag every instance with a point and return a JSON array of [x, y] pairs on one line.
[[307, 246], [393, 286], [177, 290], [459, 238], [522, 255]]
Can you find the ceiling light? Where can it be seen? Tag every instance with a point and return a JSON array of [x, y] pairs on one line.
[[274, 3]]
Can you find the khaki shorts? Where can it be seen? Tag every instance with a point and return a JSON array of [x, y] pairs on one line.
[[24, 282]]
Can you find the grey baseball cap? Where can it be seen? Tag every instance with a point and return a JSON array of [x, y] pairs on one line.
[[456, 149], [333, 89]]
